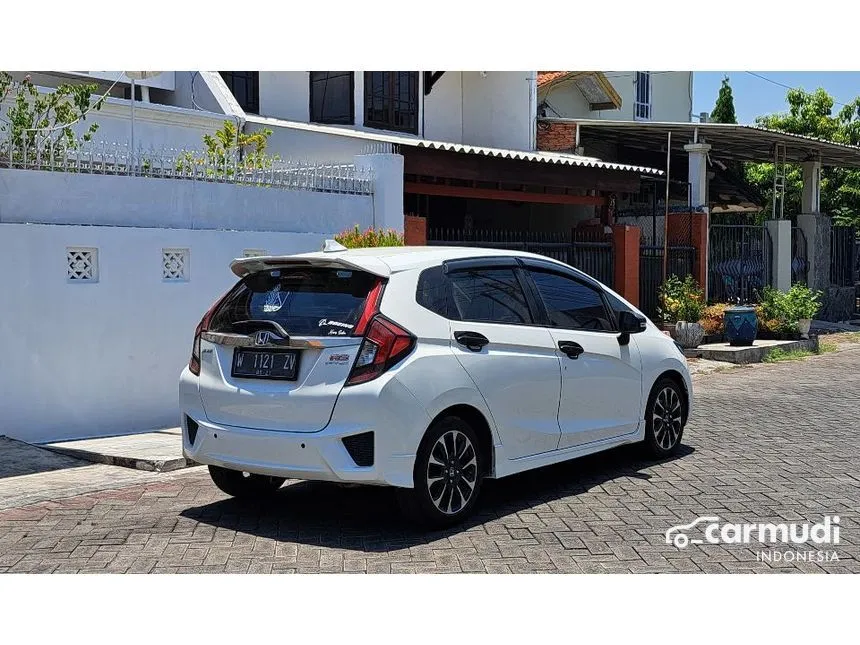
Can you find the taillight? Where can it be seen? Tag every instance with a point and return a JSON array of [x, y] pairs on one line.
[[384, 344], [203, 325], [371, 307]]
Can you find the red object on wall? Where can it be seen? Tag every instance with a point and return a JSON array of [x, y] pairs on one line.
[[414, 230]]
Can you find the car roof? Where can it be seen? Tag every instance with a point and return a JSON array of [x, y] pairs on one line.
[[405, 258]]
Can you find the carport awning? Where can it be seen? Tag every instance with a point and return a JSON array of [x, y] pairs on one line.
[[728, 141]]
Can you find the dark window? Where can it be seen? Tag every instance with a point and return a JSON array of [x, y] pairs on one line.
[[332, 97], [433, 291], [488, 295], [245, 86], [616, 305], [391, 101], [571, 304], [305, 302]]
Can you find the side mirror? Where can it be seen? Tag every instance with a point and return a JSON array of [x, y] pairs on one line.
[[629, 323]]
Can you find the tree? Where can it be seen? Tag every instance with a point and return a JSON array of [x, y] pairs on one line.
[[42, 123], [724, 110], [811, 114]]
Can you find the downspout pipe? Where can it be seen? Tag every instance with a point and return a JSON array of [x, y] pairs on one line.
[[533, 94]]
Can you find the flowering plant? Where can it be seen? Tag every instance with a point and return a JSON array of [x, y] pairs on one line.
[[356, 238]]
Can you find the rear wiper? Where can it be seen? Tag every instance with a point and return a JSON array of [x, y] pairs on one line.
[[250, 326]]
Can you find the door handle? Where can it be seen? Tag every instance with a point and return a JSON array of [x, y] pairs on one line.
[[573, 350], [471, 340]]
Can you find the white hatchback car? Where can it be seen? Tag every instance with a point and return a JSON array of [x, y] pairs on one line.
[[423, 368]]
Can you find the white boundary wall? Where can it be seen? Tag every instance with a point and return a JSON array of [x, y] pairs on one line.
[[101, 358]]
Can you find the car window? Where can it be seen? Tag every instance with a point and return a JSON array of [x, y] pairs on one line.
[[570, 303], [433, 291], [306, 302], [488, 295], [616, 305]]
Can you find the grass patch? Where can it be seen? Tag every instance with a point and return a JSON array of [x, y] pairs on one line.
[[825, 347], [780, 355]]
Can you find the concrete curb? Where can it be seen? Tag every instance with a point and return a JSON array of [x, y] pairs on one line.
[[752, 354], [150, 465]]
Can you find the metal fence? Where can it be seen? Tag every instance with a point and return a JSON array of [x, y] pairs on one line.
[[799, 262], [103, 158], [588, 252], [842, 256], [681, 262], [740, 262]]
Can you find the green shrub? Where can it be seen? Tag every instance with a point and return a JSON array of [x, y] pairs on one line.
[[356, 238], [680, 300], [779, 311]]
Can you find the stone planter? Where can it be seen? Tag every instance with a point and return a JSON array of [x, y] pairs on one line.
[[741, 326], [689, 335], [803, 326]]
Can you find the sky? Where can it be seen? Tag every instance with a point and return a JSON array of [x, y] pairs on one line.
[[755, 96]]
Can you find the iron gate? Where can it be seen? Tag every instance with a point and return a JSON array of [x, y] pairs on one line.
[[740, 262]]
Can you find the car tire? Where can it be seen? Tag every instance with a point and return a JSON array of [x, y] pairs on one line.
[[665, 416], [448, 466], [244, 485]]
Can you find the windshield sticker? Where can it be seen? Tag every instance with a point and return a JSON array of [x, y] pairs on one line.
[[275, 299], [333, 323], [336, 332]]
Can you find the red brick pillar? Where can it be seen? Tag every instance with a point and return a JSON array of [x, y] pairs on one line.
[[414, 230], [700, 241], [625, 242]]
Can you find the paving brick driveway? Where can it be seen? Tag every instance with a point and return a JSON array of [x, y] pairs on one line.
[[776, 443]]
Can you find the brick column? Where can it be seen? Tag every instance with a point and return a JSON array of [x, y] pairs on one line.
[[625, 243], [700, 241], [414, 230]]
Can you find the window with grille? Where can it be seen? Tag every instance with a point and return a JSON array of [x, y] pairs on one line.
[[245, 86], [82, 264], [642, 104], [175, 265], [391, 101], [332, 97]]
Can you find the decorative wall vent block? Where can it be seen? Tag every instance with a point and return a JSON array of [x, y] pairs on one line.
[[175, 265], [254, 253], [82, 264]]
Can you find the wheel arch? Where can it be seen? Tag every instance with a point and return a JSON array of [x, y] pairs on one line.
[[676, 377], [479, 423]]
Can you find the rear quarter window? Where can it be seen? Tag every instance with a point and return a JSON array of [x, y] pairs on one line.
[[305, 302]]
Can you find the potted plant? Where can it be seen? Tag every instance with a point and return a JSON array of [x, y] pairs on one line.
[[713, 321], [681, 304], [801, 305]]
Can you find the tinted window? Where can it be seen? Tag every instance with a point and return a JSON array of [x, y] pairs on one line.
[[487, 295], [331, 97], [433, 291], [616, 305], [305, 302], [570, 303]]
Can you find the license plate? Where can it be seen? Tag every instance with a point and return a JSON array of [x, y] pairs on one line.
[[266, 363]]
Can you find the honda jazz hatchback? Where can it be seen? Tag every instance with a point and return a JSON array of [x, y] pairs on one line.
[[427, 369]]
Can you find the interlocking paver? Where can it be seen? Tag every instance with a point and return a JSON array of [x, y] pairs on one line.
[[774, 443]]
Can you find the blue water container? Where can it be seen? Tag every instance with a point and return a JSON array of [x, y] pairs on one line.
[[741, 325]]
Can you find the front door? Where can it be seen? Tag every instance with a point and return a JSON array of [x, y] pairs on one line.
[[512, 361], [601, 379]]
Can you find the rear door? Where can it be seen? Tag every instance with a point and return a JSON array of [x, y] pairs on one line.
[[512, 360], [601, 379], [280, 347]]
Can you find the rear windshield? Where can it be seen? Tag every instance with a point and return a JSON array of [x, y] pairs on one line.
[[305, 302]]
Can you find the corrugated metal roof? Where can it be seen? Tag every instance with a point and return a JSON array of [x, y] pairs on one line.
[[402, 140], [728, 140]]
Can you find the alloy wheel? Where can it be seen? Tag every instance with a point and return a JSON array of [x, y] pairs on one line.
[[452, 472], [667, 418]]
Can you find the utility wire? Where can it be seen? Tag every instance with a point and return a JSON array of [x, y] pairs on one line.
[[788, 87]]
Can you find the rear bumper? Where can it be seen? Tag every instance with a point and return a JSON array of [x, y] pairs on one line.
[[318, 455]]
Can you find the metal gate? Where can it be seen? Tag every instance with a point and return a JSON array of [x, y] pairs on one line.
[[740, 262]]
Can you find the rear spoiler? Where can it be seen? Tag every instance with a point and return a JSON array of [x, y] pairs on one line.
[[246, 266]]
